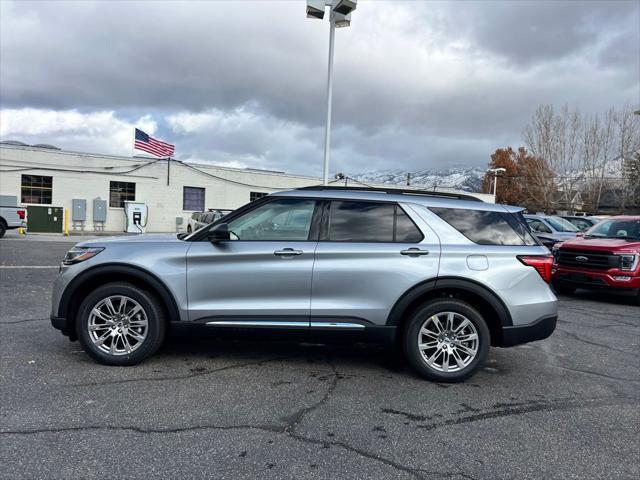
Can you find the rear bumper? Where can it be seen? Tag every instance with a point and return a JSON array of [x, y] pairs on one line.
[[538, 330]]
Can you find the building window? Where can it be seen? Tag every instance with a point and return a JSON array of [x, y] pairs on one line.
[[193, 199], [119, 192], [256, 195], [36, 189]]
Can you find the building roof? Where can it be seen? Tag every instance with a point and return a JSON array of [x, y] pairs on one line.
[[143, 158]]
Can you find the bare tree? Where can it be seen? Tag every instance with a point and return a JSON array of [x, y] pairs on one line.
[[582, 152], [627, 128]]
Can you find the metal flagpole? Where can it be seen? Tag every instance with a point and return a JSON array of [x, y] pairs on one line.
[[327, 133], [168, 168]]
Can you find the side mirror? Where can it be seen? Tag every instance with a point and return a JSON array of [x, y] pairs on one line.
[[218, 233]]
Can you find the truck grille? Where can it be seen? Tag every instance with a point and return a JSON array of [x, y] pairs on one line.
[[588, 259]]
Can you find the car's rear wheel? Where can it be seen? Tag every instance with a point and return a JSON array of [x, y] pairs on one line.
[[3, 229], [446, 340], [120, 324]]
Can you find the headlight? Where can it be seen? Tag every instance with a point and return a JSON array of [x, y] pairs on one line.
[[628, 261], [80, 254]]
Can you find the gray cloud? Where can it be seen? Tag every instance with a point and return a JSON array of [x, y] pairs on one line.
[[417, 84]]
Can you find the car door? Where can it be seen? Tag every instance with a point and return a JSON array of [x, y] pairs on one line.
[[368, 255], [262, 274]]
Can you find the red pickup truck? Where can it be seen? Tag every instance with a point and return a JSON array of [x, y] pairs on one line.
[[606, 257]]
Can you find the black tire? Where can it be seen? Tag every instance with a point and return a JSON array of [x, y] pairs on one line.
[[563, 289], [3, 229], [156, 324], [410, 339]]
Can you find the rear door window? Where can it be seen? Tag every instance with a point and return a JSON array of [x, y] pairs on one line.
[[357, 221], [406, 230], [486, 227]]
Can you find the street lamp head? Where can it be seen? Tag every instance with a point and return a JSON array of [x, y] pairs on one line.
[[344, 7], [341, 20], [315, 9], [498, 170]]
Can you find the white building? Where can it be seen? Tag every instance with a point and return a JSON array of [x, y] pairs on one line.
[[47, 176]]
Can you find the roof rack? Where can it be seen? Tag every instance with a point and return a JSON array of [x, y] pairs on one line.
[[400, 191]]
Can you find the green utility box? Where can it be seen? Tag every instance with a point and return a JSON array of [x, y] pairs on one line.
[[44, 219]]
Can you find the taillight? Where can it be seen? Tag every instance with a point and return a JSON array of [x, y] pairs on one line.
[[21, 214], [542, 263]]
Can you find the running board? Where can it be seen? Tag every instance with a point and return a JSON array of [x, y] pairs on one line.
[[281, 324]]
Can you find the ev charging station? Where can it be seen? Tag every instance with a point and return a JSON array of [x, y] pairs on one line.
[[135, 217]]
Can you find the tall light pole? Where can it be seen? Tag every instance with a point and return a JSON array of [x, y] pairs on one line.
[[495, 172], [339, 16]]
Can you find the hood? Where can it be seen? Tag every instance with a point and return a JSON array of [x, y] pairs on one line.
[[602, 244], [136, 238]]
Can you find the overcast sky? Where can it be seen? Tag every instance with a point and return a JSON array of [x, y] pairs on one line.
[[242, 83]]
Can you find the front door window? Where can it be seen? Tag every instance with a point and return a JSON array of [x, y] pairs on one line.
[[283, 220]]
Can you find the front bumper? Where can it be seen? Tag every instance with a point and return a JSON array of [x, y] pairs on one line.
[[595, 280], [538, 330]]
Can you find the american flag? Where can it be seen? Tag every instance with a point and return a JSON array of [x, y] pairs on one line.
[[150, 145]]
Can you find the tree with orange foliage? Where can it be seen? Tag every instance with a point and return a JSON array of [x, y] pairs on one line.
[[528, 180], [509, 189]]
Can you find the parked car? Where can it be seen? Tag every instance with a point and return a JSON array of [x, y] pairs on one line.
[[194, 222], [581, 223], [11, 217], [546, 240], [202, 219], [606, 257], [551, 227], [446, 276]]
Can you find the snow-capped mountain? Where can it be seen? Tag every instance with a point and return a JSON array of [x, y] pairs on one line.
[[461, 178]]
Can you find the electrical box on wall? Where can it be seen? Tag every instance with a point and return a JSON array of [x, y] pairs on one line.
[[135, 217], [78, 210], [99, 210]]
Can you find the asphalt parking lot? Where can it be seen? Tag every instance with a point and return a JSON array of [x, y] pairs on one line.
[[566, 407]]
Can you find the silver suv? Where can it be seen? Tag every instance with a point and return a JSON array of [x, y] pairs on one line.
[[445, 276]]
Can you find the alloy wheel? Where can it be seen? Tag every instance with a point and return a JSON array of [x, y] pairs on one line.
[[118, 325], [448, 341]]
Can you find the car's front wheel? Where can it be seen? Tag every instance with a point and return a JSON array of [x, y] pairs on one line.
[[120, 324], [446, 340]]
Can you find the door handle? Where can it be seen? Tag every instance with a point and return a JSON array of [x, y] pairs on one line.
[[287, 252], [414, 252]]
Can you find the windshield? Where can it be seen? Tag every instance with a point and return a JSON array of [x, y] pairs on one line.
[[628, 229], [561, 225]]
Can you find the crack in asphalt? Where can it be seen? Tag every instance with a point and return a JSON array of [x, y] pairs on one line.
[[533, 406], [363, 453], [585, 310], [589, 342], [297, 417], [180, 377], [140, 430], [13, 322], [595, 327], [590, 372], [266, 428]]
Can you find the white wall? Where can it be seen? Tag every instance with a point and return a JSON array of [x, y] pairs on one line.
[[164, 202]]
